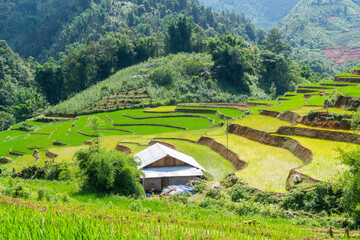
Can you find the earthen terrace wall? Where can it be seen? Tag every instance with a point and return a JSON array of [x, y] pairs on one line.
[[223, 151], [287, 143], [320, 134]]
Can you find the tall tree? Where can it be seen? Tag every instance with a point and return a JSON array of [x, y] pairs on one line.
[[179, 35], [274, 43], [50, 79]]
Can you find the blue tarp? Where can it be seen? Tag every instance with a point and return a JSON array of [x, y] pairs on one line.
[[179, 189]]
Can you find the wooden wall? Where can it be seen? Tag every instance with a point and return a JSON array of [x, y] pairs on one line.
[[167, 162]]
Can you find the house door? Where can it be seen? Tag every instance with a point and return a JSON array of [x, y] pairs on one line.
[[165, 182]]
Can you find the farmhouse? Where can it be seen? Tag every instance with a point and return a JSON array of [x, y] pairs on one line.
[[164, 166]]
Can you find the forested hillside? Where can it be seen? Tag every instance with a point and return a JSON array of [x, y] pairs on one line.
[[325, 28], [240, 71], [264, 14], [110, 36], [19, 98], [44, 29]]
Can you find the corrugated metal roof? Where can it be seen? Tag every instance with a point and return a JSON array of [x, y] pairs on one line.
[[159, 151], [176, 171]]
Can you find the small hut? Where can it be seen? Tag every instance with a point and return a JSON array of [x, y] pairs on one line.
[[164, 166]]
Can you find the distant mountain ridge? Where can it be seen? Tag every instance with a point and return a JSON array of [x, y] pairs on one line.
[[324, 33], [332, 26], [263, 13]]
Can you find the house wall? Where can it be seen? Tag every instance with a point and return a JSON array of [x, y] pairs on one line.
[[180, 180], [167, 162], [149, 183]]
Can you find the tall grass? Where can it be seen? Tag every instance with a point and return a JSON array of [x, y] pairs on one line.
[[23, 220]]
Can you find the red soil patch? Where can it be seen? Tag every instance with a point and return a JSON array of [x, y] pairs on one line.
[[342, 55], [332, 18]]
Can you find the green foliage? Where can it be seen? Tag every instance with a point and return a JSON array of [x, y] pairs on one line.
[[179, 35], [323, 198], [199, 188], [95, 123], [50, 171], [6, 120], [109, 172], [240, 191], [274, 43], [18, 94], [213, 193], [349, 182], [71, 23], [163, 76], [16, 189], [184, 87]]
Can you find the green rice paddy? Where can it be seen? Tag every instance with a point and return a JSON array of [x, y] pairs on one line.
[[264, 162], [230, 112], [326, 164], [261, 122]]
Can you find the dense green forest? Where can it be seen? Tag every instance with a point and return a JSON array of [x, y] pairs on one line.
[[19, 98], [264, 14], [242, 69], [23, 23], [247, 62]]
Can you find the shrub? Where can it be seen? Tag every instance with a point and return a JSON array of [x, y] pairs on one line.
[[213, 193], [109, 172], [199, 188], [322, 198], [16, 189], [194, 65], [264, 198], [26, 127], [6, 120], [240, 191], [181, 198], [50, 171], [229, 180], [163, 76]]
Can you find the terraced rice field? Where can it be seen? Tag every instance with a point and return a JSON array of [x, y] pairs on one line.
[[305, 110], [261, 122], [326, 164], [294, 103], [268, 167], [230, 112]]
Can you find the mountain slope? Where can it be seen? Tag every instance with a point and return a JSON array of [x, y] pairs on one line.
[[31, 26], [332, 26], [19, 98], [44, 29], [263, 13]]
